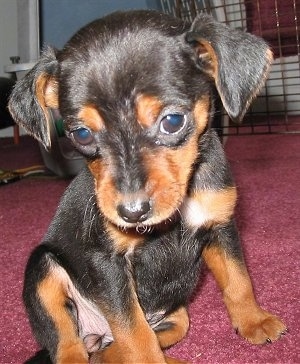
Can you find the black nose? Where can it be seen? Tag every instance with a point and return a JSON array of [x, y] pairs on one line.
[[134, 211]]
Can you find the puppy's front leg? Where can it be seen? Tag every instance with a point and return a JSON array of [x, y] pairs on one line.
[[224, 258]]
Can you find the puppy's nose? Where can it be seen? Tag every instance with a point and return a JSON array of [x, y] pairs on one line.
[[135, 210]]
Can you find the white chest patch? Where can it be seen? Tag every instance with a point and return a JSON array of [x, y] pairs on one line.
[[194, 213]]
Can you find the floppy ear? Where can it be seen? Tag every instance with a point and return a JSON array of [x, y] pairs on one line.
[[237, 61], [33, 94]]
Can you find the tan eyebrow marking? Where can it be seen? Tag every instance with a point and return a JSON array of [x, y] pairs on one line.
[[147, 110], [91, 117]]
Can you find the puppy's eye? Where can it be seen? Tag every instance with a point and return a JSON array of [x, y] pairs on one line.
[[172, 123], [83, 136]]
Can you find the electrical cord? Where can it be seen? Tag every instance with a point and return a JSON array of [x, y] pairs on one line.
[[7, 177]]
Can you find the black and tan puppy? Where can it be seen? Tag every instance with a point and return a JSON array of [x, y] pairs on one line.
[[112, 279]]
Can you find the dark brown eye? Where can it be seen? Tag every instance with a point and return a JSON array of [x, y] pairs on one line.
[[172, 123], [82, 136]]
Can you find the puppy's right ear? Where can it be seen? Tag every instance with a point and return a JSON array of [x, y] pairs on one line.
[[34, 94]]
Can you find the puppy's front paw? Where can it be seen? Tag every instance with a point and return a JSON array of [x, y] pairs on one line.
[[261, 327]]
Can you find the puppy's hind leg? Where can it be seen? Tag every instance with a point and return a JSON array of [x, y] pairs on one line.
[[172, 330], [47, 303]]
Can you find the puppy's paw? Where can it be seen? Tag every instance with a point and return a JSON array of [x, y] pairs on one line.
[[170, 360], [261, 327]]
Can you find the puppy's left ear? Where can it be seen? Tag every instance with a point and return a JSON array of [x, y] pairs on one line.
[[238, 61]]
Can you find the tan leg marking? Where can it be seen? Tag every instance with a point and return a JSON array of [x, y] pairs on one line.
[[112, 357], [253, 323], [134, 342], [70, 349], [180, 321]]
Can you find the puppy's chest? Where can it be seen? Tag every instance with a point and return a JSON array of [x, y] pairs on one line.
[[165, 271]]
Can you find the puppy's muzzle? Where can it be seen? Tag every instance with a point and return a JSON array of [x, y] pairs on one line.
[[135, 209]]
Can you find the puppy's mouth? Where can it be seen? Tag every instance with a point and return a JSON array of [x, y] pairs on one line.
[[127, 235]]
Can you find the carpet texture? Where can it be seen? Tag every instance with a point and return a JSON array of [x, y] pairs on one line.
[[267, 173]]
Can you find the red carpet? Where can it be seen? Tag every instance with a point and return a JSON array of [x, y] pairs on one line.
[[267, 173]]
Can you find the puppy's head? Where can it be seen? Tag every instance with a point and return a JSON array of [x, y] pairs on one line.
[[135, 91]]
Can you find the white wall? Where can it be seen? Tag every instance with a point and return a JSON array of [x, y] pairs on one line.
[[8, 41], [19, 36], [8, 33], [28, 30]]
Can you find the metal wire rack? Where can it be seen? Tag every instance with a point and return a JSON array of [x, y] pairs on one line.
[[277, 108]]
